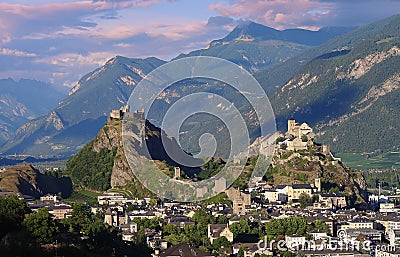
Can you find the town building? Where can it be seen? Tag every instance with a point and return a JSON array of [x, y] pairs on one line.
[[394, 237], [251, 249], [49, 198], [386, 207], [334, 200], [61, 211], [112, 199], [219, 230], [301, 136], [239, 199], [389, 222], [182, 250], [387, 251], [294, 191], [295, 242]]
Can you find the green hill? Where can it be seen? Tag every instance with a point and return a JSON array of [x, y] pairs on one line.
[[27, 180]]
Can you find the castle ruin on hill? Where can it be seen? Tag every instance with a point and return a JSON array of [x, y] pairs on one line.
[[124, 111], [302, 135]]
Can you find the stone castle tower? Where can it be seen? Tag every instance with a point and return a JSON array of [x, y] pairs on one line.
[[177, 172], [291, 126], [317, 184]]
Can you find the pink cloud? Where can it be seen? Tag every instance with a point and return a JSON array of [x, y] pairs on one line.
[[73, 59], [5, 39], [13, 52], [33, 11], [276, 13], [178, 31], [172, 31], [48, 11], [27, 20]]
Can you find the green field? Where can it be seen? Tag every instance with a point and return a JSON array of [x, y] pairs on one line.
[[124, 192], [85, 195], [360, 161]]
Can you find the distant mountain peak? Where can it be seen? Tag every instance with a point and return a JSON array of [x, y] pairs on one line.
[[252, 31], [78, 117]]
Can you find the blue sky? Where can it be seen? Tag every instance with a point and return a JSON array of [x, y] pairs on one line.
[[59, 41]]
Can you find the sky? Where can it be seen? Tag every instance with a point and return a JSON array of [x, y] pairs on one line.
[[59, 41]]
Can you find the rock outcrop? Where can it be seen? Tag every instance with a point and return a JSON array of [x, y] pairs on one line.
[[299, 167], [26, 180]]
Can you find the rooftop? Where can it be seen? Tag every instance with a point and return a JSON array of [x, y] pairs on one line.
[[184, 250]]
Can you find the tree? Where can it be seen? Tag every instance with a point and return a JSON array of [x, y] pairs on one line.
[[304, 199], [288, 254], [221, 242], [320, 225], [177, 239], [153, 202], [131, 207], [80, 219], [12, 213], [204, 217], [41, 226], [222, 219], [334, 189], [241, 252], [170, 229], [279, 139], [100, 234], [286, 226]]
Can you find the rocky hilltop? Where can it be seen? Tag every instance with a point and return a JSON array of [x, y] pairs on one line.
[[102, 164], [27, 180], [300, 160]]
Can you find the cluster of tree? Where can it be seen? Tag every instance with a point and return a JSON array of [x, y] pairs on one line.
[[12, 214], [247, 231], [275, 229], [29, 233], [92, 170], [195, 235], [387, 180], [292, 226], [211, 168], [221, 198], [243, 231]]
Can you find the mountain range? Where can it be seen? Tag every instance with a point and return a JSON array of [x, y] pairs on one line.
[[256, 47], [347, 89], [77, 118], [22, 101], [343, 81]]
